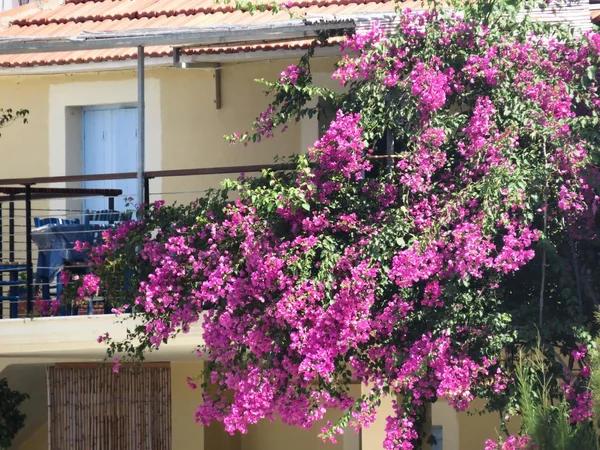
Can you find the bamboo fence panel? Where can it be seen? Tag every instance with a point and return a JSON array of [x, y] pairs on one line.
[[92, 408]]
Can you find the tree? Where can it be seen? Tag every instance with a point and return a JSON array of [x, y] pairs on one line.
[[11, 419], [8, 116], [419, 271]]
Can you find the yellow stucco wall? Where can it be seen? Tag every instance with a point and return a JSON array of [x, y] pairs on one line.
[[276, 436], [38, 440], [475, 429]]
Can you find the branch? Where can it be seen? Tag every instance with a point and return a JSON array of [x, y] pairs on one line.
[[543, 282], [576, 270]]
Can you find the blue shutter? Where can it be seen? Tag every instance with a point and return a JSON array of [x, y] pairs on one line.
[[96, 147], [110, 146]]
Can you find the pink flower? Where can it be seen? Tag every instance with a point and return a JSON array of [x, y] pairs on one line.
[[580, 353], [191, 383], [90, 285], [65, 278], [102, 338], [430, 85], [291, 73]]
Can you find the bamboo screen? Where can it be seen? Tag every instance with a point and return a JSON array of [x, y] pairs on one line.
[[92, 408]]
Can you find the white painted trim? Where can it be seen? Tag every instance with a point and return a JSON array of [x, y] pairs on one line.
[[65, 96], [109, 107]]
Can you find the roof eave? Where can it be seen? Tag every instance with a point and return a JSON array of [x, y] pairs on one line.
[[175, 37]]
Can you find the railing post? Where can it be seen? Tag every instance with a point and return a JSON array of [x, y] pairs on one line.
[[111, 210], [389, 149], [11, 229], [13, 274], [28, 248], [146, 191], [1, 257], [141, 151], [1, 235]]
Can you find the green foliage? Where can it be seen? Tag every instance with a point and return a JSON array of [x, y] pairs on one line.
[[594, 384], [543, 409], [8, 116], [11, 419]]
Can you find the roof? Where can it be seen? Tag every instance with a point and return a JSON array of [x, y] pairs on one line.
[[72, 17]]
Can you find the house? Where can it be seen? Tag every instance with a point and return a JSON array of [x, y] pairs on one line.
[[84, 121]]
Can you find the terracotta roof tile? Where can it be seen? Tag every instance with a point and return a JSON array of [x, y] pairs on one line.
[[75, 16]]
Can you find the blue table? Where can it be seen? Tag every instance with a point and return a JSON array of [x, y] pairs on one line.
[[56, 244]]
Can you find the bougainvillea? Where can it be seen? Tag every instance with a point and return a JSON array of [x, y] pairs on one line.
[[411, 249]]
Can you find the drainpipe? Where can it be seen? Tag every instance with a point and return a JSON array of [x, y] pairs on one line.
[[141, 158]]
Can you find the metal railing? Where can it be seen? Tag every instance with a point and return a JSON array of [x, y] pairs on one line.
[[37, 241]]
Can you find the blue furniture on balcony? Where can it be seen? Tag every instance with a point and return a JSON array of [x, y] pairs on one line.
[[13, 285], [56, 244], [56, 239], [106, 216], [51, 259]]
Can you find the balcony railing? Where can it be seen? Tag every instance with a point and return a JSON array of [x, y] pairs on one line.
[[37, 239]]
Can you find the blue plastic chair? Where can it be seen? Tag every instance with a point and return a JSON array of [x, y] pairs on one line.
[[106, 216], [52, 220]]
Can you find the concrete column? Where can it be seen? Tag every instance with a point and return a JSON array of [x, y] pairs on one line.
[[372, 438], [443, 415], [427, 427], [186, 433]]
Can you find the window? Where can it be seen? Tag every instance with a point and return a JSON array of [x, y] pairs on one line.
[[326, 113], [109, 146], [382, 147], [438, 434]]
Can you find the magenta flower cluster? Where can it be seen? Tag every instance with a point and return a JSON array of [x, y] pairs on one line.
[[512, 443]]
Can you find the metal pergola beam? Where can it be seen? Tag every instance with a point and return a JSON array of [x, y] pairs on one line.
[[176, 37], [141, 150]]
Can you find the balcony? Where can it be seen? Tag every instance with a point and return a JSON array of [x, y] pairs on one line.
[[41, 222]]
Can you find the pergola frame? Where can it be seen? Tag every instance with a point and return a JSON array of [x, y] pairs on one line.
[[178, 38]]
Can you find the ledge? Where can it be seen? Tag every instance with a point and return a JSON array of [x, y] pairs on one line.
[[74, 338]]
